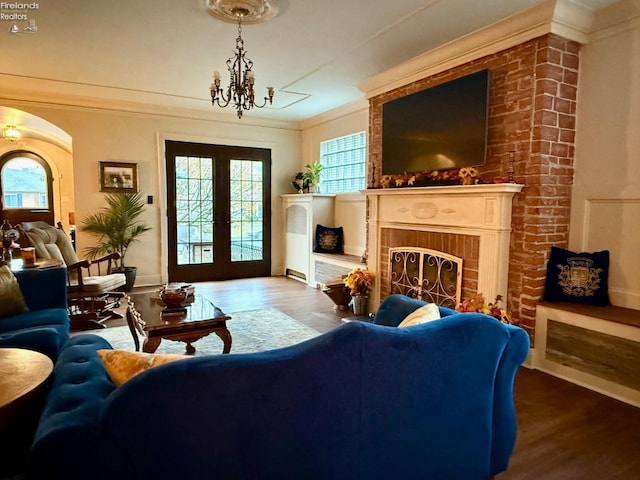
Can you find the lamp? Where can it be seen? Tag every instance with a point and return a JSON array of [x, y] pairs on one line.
[[8, 235], [11, 133], [241, 77]]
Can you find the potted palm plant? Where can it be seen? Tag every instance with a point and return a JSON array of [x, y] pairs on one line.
[[117, 226]]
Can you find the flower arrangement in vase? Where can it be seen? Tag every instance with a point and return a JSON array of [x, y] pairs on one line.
[[359, 282]]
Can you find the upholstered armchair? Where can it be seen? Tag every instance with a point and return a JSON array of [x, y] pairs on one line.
[[92, 285]]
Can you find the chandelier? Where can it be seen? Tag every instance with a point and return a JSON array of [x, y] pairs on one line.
[[241, 77], [11, 133]]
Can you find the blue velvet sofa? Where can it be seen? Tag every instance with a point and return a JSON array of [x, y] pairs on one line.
[[45, 327], [364, 401]]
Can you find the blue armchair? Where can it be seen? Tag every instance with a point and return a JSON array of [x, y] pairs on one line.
[[45, 327]]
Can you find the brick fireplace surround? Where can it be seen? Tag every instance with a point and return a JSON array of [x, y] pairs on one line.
[[532, 106]]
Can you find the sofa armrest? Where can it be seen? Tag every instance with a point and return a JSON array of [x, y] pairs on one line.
[[43, 339], [43, 288], [504, 415], [71, 415], [395, 308]]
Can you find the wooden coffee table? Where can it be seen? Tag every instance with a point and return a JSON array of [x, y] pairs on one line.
[[147, 316]]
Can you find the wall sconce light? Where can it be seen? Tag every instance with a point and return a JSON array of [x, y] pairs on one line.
[[11, 133]]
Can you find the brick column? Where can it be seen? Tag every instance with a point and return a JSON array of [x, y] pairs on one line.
[[542, 213], [532, 105]]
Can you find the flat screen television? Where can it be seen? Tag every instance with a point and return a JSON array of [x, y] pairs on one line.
[[439, 128]]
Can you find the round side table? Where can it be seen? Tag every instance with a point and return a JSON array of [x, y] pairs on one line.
[[23, 377]]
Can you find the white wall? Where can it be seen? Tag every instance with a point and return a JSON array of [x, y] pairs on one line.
[[605, 211], [350, 210], [100, 135], [333, 124]]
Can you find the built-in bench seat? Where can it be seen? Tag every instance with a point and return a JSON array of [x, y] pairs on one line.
[[333, 265], [594, 346], [612, 313]]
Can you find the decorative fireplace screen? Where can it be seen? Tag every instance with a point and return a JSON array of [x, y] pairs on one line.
[[432, 276]]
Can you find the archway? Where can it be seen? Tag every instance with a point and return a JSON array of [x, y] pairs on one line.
[[45, 148]]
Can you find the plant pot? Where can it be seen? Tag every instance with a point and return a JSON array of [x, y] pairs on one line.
[[360, 306], [337, 291], [130, 275]]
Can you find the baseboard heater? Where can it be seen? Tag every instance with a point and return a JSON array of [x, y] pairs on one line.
[[289, 272]]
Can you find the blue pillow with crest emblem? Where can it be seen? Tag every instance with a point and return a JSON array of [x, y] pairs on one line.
[[577, 277], [328, 240]]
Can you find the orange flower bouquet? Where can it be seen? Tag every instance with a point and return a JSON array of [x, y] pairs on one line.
[[359, 281]]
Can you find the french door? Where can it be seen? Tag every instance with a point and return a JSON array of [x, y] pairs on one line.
[[218, 211]]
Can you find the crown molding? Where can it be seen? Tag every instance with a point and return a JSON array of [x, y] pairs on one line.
[[46, 93], [615, 19], [335, 114], [571, 21], [139, 109], [562, 17]]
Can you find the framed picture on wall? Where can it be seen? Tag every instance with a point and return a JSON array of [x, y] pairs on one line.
[[118, 177]]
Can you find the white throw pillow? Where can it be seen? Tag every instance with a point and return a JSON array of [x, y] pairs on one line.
[[423, 314]]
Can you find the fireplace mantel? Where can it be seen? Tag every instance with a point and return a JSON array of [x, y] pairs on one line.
[[483, 211]]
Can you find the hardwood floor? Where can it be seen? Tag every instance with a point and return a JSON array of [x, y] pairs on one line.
[[565, 432], [569, 432], [307, 305]]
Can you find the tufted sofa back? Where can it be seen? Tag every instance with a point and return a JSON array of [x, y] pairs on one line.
[[363, 401]]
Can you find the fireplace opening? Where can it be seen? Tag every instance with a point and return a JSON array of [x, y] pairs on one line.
[[430, 275]]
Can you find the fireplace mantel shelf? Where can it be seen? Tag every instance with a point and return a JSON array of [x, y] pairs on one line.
[[490, 188]]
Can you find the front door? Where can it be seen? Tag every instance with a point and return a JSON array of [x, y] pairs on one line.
[[218, 211]]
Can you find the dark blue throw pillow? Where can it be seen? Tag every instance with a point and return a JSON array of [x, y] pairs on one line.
[[577, 277], [328, 240]]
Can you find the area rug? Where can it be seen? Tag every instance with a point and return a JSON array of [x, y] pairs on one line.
[[251, 331]]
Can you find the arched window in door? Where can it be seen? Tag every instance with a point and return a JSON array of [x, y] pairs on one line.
[[25, 188]]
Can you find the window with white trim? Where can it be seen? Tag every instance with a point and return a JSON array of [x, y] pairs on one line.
[[344, 160]]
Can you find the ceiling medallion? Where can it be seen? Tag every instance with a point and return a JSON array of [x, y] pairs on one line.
[[251, 11]]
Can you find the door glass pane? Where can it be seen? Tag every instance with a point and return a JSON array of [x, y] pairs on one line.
[[194, 210], [246, 177], [24, 184]]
